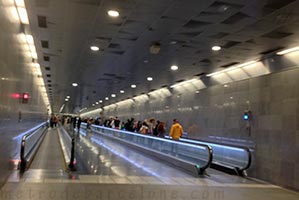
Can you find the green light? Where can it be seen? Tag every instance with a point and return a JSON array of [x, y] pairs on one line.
[[197, 166]]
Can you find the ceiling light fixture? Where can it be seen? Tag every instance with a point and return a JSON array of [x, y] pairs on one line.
[[20, 3], [149, 78], [106, 98], [133, 86], [97, 103], [174, 67], [113, 95], [113, 13], [216, 48], [94, 48], [287, 51], [101, 101], [74, 84], [23, 15], [68, 97], [122, 91]]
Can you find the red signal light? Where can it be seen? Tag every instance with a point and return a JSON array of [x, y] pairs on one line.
[[25, 98]]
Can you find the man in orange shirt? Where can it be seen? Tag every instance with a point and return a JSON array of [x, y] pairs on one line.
[[176, 130]]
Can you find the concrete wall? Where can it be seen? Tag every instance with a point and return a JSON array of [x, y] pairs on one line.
[[217, 111], [15, 78]]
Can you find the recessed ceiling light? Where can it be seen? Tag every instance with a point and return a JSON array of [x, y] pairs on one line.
[[122, 91], [113, 13], [94, 48], [106, 98], [197, 91], [101, 101], [216, 48], [133, 86], [75, 84], [149, 78], [93, 104], [113, 95], [173, 42], [97, 103], [68, 97], [174, 67]]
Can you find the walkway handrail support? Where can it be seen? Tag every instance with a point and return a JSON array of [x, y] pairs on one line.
[[201, 155], [23, 155], [240, 170]]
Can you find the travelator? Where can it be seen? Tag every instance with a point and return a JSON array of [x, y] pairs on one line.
[[30, 143], [192, 155]]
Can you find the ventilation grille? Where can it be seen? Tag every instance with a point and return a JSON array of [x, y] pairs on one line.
[[219, 35], [114, 46], [46, 58], [205, 61], [88, 2], [230, 44], [45, 44], [117, 52], [277, 4], [277, 34], [235, 18], [191, 34], [42, 21], [196, 24], [229, 64]]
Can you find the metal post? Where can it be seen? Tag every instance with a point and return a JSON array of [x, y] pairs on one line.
[[71, 165]]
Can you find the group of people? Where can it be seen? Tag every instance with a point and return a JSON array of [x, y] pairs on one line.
[[53, 121], [148, 127]]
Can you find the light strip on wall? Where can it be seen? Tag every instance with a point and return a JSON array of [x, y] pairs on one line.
[[232, 68], [287, 51], [183, 82]]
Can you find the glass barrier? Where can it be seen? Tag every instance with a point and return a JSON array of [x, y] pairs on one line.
[[228, 155], [200, 156]]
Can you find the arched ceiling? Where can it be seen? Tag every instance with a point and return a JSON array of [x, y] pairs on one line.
[[186, 30]]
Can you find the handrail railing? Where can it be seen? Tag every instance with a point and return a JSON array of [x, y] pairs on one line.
[[30, 142], [199, 156], [238, 157]]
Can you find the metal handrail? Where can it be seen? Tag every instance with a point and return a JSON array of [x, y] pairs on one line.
[[200, 170], [23, 162], [246, 149]]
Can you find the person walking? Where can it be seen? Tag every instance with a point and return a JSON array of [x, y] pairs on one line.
[[176, 130]]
